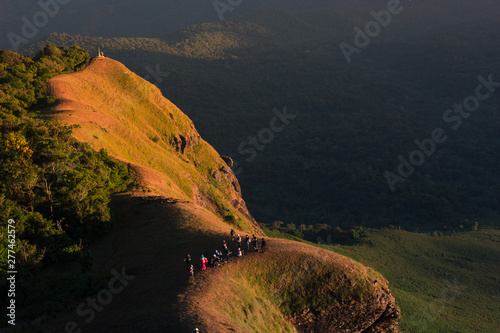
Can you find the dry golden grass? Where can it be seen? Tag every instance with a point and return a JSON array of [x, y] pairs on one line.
[[275, 292], [126, 115]]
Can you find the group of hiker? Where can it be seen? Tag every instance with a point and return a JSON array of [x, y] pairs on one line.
[[218, 257]]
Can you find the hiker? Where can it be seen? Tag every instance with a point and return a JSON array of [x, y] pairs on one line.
[[191, 271], [239, 254], [224, 244], [247, 240], [187, 259], [215, 259], [238, 238], [226, 252], [232, 234], [263, 245], [254, 242], [203, 262]]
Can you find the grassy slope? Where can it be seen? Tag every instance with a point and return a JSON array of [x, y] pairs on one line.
[[256, 293], [129, 117], [418, 266], [291, 282]]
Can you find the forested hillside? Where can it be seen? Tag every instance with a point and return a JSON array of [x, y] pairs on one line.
[[56, 189]]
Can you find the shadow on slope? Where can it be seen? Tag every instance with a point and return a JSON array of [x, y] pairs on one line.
[[150, 238]]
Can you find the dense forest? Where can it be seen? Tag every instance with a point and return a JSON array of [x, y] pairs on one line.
[[56, 189], [353, 122]]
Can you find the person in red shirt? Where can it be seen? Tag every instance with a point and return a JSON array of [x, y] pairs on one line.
[[203, 262]]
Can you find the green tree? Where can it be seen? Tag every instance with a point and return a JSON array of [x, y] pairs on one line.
[[55, 188]]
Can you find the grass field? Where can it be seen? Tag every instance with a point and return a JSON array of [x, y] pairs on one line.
[[445, 283]]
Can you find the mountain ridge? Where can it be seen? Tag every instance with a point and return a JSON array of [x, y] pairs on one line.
[[178, 138], [160, 223]]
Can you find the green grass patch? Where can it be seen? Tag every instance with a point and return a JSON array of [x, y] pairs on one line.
[[442, 284]]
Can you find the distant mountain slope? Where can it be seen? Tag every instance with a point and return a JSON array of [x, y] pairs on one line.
[[114, 18], [34, 20]]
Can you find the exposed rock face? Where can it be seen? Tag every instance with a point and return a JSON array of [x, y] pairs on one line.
[[228, 160], [184, 141], [180, 143], [387, 322], [375, 315], [225, 174]]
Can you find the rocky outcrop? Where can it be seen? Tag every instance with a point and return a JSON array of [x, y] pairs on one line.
[[228, 160], [387, 322], [179, 143], [375, 314], [187, 140]]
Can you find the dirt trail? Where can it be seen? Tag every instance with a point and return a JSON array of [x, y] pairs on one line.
[[150, 239]]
